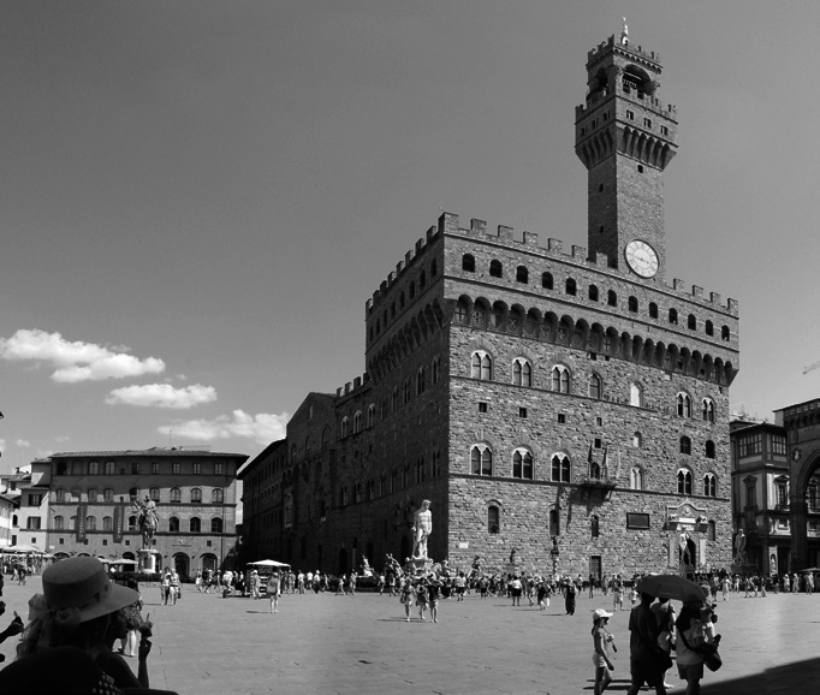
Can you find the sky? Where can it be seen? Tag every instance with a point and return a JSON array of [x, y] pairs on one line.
[[197, 198]]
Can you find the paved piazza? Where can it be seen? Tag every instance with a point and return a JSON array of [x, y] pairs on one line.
[[333, 644]]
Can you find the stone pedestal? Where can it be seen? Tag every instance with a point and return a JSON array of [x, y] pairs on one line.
[[421, 565], [147, 560]]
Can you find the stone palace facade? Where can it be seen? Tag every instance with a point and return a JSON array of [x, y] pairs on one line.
[[566, 403]]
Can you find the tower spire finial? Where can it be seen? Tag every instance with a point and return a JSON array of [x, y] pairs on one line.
[[625, 34]]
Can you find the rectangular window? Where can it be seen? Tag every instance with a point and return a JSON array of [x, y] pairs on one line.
[[598, 443], [599, 421], [664, 130], [522, 412], [154, 469], [636, 520], [35, 500], [135, 468], [562, 418], [33, 523], [647, 122], [779, 445], [630, 115], [218, 468], [197, 469], [751, 498], [482, 407], [175, 467]]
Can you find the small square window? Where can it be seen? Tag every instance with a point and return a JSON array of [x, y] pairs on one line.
[[597, 443], [127, 542], [592, 356], [562, 418], [599, 421], [209, 543], [62, 541], [105, 541], [522, 412], [640, 168], [482, 407]]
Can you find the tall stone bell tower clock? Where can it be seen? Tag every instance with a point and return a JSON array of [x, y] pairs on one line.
[[625, 137]]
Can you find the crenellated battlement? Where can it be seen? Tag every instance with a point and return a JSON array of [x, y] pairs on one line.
[[579, 256], [647, 100], [652, 59], [403, 266], [351, 388]]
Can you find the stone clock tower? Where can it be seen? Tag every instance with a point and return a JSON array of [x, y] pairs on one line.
[[625, 137]]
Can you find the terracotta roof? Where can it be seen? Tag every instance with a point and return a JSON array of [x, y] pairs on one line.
[[155, 451]]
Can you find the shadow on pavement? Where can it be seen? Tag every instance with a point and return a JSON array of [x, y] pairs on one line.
[[796, 678]]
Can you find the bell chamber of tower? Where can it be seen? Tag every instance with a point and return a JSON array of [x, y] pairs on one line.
[[625, 137]]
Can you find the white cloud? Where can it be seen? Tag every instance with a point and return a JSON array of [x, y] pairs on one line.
[[22, 443], [262, 428], [163, 396], [76, 361]]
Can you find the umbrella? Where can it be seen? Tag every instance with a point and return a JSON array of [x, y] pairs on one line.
[[268, 563], [22, 548], [122, 562], [671, 586]]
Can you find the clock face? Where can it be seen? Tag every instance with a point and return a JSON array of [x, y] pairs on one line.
[[642, 258]]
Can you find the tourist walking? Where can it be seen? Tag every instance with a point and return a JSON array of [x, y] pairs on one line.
[[601, 642], [165, 586], [274, 591], [645, 665], [433, 595], [690, 635], [617, 593], [569, 597], [406, 596], [515, 591]]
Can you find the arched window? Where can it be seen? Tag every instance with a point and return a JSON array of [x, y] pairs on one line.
[[555, 524], [611, 298], [59, 495], [710, 449], [481, 460], [560, 469], [173, 524], [595, 389], [133, 494], [684, 405], [371, 415], [91, 523], [546, 281], [433, 271], [637, 440], [132, 523], [344, 430], [108, 523], [217, 495], [493, 519], [468, 263], [196, 495], [436, 369], [420, 380], [594, 526], [109, 468], [653, 310], [632, 304], [58, 523], [481, 366], [412, 289], [521, 372], [422, 280], [195, 525], [560, 379], [685, 445], [593, 293], [684, 482], [710, 328], [153, 494], [636, 478], [708, 410], [522, 275], [216, 525], [710, 485], [94, 468], [636, 395], [711, 531], [496, 270], [522, 464], [673, 316], [571, 287], [357, 422], [108, 495], [176, 495], [691, 322], [93, 495], [725, 334]]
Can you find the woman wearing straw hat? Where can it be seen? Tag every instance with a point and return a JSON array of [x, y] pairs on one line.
[[71, 628], [601, 640]]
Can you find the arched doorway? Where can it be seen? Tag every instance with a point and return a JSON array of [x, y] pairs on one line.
[[208, 562], [128, 555], [182, 563], [405, 548]]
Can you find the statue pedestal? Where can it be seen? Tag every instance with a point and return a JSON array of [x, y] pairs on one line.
[[147, 560], [421, 565]]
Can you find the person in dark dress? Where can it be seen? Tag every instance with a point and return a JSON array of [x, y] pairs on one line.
[[569, 597]]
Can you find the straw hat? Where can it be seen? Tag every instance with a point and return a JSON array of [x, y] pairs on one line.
[[81, 584], [601, 613]]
